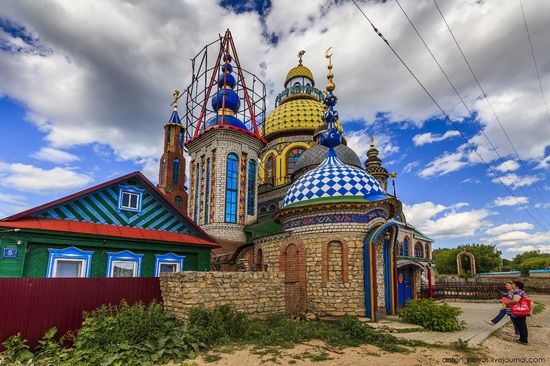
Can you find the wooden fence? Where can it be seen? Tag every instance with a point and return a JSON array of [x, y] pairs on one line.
[[31, 306]]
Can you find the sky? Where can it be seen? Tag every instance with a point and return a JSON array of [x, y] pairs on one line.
[[86, 87]]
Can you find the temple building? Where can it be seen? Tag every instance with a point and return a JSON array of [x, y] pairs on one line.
[[287, 194]]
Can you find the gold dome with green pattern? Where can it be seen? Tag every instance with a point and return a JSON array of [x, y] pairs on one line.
[[304, 114], [298, 71]]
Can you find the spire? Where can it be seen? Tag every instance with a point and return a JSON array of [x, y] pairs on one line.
[[174, 117], [331, 137], [373, 165]]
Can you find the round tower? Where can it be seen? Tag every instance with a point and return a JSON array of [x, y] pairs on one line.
[[224, 154]]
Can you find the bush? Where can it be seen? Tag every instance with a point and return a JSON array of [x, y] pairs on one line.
[[221, 324], [432, 316], [132, 335]]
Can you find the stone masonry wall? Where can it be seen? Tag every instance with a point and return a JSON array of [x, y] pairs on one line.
[[258, 294]]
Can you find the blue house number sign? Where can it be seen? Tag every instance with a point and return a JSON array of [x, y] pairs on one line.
[[9, 253]]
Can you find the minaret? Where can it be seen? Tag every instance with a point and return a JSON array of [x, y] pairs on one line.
[[224, 154], [374, 167], [172, 162]]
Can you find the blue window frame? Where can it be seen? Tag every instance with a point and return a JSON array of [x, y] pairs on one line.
[[168, 263], [129, 198], [69, 262], [180, 141], [231, 188], [176, 171], [401, 249], [251, 187], [197, 191], [406, 247], [124, 264], [207, 193]]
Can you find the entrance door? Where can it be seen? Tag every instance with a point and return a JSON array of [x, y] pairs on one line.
[[292, 285], [404, 291]]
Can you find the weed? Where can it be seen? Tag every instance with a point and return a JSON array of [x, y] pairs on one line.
[[432, 316], [537, 308], [211, 357]]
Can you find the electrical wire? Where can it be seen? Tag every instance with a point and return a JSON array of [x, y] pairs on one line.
[[494, 113], [444, 113]]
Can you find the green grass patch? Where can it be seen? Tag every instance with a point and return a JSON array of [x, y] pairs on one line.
[[538, 308]]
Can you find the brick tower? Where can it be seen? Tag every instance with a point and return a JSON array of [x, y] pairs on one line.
[[172, 163]]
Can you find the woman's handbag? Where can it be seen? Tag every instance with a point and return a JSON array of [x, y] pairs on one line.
[[521, 308]]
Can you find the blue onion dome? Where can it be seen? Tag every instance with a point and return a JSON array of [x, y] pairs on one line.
[[226, 101], [232, 101]]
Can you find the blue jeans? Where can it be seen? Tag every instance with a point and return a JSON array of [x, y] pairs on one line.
[[502, 314]]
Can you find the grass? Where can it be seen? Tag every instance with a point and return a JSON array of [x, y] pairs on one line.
[[538, 308]]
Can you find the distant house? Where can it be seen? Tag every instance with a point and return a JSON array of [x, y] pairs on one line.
[[122, 228]]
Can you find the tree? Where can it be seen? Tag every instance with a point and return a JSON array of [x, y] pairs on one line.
[[487, 257], [530, 260]]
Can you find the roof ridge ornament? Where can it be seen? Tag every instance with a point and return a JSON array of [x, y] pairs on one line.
[[300, 54], [176, 96]]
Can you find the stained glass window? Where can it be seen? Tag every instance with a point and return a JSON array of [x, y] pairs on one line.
[[231, 189]]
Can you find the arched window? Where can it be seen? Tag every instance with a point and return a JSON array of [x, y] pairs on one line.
[[272, 208], [207, 193], [269, 172], [180, 141], [177, 202], [176, 171], [292, 158], [251, 201], [334, 261], [406, 247], [262, 210], [427, 251], [162, 170], [197, 191], [231, 188], [401, 251], [168, 138], [418, 250], [259, 261]]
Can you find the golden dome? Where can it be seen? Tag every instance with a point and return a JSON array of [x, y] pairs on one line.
[[300, 70], [295, 115]]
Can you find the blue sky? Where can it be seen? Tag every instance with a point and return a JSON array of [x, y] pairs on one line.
[[86, 87]]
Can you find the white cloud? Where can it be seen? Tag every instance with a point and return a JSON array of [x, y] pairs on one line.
[[507, 166], [510, 201], [54, 155], [447, 163], [32, 179], [514, 181], [428, 137], [411, 167], [504, 228]]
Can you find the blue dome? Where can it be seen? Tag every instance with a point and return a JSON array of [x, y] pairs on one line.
[[229, 80], [334, 179], [228, 120], [232, 100]]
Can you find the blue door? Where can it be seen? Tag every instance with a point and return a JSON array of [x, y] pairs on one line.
[[404, 292]]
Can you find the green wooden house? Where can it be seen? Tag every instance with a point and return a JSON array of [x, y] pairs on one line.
[[122, 228]]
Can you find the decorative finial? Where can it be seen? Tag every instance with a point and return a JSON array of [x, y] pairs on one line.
[[393, 175], [300, 54], [176, 95], [330, 86], [372, 141]]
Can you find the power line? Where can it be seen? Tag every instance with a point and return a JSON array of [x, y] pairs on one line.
[[469, 111], [493, 110], [534, 61], [444, 113]]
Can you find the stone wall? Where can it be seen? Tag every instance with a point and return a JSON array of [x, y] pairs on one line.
[[258, 294]]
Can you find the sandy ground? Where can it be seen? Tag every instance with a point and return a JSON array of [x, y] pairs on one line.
[[498, 349]]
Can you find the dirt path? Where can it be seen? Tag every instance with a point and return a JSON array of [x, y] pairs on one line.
[[498, 349]]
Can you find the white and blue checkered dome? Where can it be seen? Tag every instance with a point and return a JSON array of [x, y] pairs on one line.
[[333, 181]]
